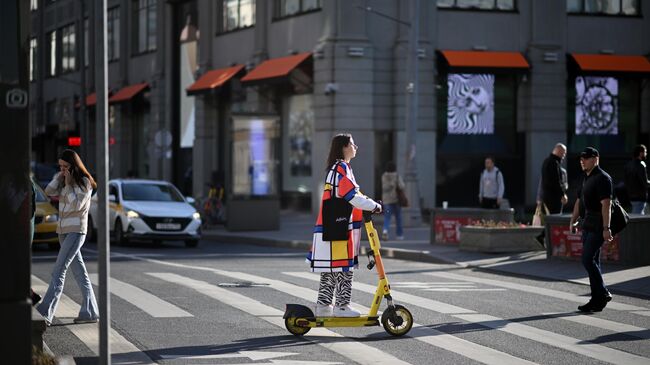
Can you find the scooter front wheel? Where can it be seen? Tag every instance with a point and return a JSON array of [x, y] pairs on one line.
[[397, 320], [290, 324]]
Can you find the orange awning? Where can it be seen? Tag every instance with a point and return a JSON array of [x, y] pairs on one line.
[[91, 99], [484, 59], [276, 67], [128, 92], [214, 79], [611, 63]]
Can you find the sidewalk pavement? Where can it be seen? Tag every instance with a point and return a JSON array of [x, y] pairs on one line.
[[296, 232]]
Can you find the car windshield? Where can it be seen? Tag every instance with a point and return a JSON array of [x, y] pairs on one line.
[[151, 192], [40, 197]]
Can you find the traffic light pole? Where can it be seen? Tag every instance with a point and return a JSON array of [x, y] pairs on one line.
[[103, 242], [15, 184]]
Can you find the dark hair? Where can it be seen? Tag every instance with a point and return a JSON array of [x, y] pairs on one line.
[[77, 168], [491, 158], [638, 149], [336, 148], [390, 166]]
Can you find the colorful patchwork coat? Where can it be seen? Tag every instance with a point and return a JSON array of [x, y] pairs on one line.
[[334, 256]]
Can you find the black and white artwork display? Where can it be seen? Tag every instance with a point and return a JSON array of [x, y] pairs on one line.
[[596, 105], [470, 105]]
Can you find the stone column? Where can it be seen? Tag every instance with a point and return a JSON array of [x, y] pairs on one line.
[[542, 97]]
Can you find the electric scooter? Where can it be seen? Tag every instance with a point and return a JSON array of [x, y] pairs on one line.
[[396, 319]]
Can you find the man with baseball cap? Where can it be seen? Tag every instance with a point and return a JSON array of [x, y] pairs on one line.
[[594, 199]]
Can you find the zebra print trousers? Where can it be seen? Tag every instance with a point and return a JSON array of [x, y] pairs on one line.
[[341, 282]]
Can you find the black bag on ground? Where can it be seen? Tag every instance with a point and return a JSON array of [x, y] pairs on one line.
[[619, 217], [336, 217]]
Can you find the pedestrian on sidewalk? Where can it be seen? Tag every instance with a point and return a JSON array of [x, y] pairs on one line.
[[636, 180], [594, 199], [390, 182], [554, 184], [491, 186], [73, 185], [336, 260]]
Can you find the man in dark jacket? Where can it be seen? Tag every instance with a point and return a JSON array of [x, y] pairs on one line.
[[636, 180], [553, 187], [595, 198]]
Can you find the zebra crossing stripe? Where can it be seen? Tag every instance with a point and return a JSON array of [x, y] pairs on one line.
[[148, 303], [581, 347], [537, 290], [619, 328], [123, 351], [352, 350]]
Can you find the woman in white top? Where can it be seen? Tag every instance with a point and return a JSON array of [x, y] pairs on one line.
[[74, 186]]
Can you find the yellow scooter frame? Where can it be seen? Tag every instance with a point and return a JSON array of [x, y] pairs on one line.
[[396, 319]]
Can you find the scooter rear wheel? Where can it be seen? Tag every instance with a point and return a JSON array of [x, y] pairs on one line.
[[397, 320], [290, 324]]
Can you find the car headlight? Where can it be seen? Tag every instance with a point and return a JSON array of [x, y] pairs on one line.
[[196, 215], [132, 214], [51, 218]]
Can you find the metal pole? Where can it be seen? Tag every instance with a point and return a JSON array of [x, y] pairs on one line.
[[83, 120], [15, 187], [101, 81], [412, 214]]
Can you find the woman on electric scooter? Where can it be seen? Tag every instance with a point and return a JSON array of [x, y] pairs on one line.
[[336, 260]]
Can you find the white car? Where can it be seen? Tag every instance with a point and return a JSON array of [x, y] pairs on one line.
[[151, 210]]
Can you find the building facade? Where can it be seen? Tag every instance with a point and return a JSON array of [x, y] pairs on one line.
[[248, 93]]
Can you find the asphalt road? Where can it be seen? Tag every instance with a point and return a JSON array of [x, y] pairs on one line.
[[222, 303]]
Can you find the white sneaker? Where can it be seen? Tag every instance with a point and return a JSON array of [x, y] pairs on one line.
[[324, 310], [384, 235], [346, 311]]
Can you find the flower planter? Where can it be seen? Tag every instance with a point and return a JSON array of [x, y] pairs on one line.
[[497, 239]]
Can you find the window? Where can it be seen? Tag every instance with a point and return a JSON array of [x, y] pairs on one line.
[[32, 58], [68, 49], [293, 7], [604, 7], [51, 70], [33, 5], [238, 14], [478, 4], [145, 25], [113, 33]]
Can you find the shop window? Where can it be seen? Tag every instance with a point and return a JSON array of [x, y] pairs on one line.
[[297, 141], [238, 14], [255, 156], [604, 7], [285, 8], [500, 5], [32, 58], [113, 33], [144, 19], [68, 49]]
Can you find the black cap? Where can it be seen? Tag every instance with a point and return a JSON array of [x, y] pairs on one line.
[[589, 152]]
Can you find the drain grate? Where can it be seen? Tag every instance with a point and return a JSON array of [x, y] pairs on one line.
[[241, 284]]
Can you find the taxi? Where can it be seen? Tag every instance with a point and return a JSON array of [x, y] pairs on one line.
[[46, 218]]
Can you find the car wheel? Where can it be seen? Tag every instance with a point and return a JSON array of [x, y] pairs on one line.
[[118, 234], [91, 234], [191, 243]]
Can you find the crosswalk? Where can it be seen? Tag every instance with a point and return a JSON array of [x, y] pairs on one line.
[[297, 285]]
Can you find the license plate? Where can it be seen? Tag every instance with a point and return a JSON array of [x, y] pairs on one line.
[[168, 226]]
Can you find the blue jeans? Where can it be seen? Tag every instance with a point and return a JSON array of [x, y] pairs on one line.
[[390, 210], [591, 243], [69, 256], [638, 207]]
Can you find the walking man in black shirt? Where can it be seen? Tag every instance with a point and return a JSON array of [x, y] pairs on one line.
[[636, 180], [594, 199]]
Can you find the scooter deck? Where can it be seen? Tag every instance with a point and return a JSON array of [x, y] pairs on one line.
[[338, 321]]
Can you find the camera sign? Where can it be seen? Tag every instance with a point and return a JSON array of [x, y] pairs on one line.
[[16, 99]]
